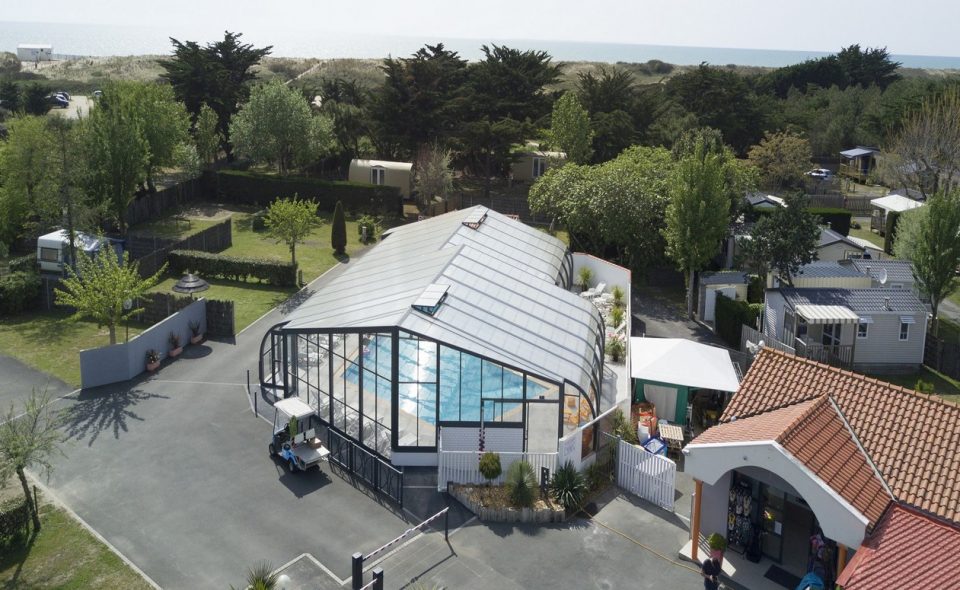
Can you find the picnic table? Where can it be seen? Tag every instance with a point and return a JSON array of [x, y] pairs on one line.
[[672, 434]]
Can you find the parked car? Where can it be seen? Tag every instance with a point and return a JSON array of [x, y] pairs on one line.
[[820, 173], [64, 94], [58, 101], [97, 93]]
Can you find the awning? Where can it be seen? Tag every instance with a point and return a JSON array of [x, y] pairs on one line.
[[857, 152], [827, 314], [907, 319]]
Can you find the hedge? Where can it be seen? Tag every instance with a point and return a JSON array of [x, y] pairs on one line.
[[839, 219], [731, 314], [14, 519], [236, 268], [19, 292], [251, 188]]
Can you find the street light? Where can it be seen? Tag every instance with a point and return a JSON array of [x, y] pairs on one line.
[[127, 306]]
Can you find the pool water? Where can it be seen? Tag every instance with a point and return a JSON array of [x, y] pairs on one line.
[[464, 379]]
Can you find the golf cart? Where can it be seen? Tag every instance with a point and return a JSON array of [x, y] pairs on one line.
[[300, 449]]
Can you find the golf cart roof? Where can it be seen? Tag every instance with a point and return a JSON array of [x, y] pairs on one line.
[[293, 407]]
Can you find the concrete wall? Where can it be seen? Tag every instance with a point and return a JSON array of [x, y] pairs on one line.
[[120, 362]]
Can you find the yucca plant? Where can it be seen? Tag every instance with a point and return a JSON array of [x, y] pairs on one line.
[[618, 296], [521, 484], [568, 487], [583, 277], [261, 577]]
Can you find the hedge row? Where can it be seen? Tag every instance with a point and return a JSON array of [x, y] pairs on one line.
[[890, 231], [839, 219], [19, 292], [251, 188], [731, 314], [236, 268]]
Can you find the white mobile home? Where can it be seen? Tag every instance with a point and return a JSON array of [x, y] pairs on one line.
[[34, 53], [384, 173], [868, 329], [531, 164], [53, 249]]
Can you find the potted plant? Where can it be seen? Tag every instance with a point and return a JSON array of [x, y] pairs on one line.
[[196, 337], [583, 278], [153, 360], [175, 348], [618, 297], [717, 544], [615, 349]]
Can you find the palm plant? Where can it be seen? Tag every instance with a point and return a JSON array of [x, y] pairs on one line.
[[261, 577], [583, 277], [568, 487], [521, 483]]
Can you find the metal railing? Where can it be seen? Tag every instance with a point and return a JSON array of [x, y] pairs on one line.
[[838, 355], [375, 472]]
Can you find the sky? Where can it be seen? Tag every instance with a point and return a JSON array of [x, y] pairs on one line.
[[920, 27]]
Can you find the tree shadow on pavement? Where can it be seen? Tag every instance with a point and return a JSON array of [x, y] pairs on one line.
[[96, 411]]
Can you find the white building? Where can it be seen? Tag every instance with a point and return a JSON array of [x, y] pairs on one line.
[[33, 53]]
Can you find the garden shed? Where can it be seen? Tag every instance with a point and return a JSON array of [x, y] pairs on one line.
[[731, 283], [383, 173], [892, 203], [660, 369]]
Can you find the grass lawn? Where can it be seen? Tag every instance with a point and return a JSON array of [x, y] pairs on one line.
[[865, 234], [251, 300], [51, 343], [943, 386], [174, 228], [64, 555]]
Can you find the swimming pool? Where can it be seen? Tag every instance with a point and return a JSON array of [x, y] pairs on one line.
[[463, 380]]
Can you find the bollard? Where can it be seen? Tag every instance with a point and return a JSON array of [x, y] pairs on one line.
[[378, 578], [357, 570]]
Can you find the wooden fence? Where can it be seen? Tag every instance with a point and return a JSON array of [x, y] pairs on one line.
[[464, 466], [652, 477], [942, 355], [216, 238], [150, 206]]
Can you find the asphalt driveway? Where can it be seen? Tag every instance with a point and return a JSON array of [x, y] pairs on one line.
[[17, 380]]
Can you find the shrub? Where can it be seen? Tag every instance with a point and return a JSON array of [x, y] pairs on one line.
[[338, 231], [235, 268], [616, 316], [26, 263], [19, 292], [600, 472], [174, 340], [615, 349], [839, 219], [716, 542], [621, 427], [521, 484], [152, 356], [373, 225], [618, 297], [924, 386], [890, 231], [490, 467], [259, 221], [568, 487], [755, 289], [14, 521], [583, 277]]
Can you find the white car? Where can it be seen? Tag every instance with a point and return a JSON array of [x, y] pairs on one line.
[[820, 173]]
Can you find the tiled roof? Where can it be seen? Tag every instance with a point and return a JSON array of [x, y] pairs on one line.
[[815, 434], [906, 549], [822, 441], [828, 269], [911, 438], [898, 271], [829, 236], [858, 300]]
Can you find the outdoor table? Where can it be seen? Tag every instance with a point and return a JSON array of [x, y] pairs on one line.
[[672, 434]]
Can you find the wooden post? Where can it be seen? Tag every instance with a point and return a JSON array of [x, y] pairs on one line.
[[695, 521], [841, 558]]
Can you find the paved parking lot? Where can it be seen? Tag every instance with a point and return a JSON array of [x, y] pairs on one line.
[[17, 380]]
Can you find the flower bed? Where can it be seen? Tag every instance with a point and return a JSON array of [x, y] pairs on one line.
[[492, 504]]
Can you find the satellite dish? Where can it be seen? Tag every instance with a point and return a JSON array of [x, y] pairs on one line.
[[882, 276]]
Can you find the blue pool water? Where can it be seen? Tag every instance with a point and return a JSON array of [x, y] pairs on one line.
[[464, 379]]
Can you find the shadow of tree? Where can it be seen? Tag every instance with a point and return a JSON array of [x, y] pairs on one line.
[[97, 411], [295, 300]]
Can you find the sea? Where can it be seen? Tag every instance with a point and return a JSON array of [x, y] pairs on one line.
[[108, 40]]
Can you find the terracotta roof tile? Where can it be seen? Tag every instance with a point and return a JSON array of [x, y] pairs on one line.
[[911, 438], [768, 426], [906, 549]]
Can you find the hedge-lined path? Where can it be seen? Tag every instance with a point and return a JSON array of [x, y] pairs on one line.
[[661, 314]]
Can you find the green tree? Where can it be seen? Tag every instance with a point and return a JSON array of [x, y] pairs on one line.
[[10, 96], [100, 286], [433, 176], [486, 147], [698, 212], [570, 129], [338, 231], [207, 137], [935, 248], [345, 102], [118, 153], [290, 221], [79, 209], [782, 159], [785, 240], [35, 101], [9, 63], [163, 120], [28, 195], [908, 233], [217, 74], [277, 126], [29, 440], [611, 99]]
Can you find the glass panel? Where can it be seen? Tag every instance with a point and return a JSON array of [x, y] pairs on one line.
[[492, 379], [449, 384], [407, 419], [427, 414], [384, 358], [408, 352], [540, 389], [470, 368], [427, 363], [512, 385]]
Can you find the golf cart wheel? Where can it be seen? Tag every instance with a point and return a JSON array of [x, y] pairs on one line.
[[273, 450]]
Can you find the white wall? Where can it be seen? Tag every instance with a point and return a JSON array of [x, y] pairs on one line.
[[500, 440], [883, 344], [839, 519], [713, 506]]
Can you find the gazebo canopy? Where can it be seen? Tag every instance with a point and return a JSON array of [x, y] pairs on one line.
[[682, 362]]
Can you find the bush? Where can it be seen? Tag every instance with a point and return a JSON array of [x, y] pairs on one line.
[[19, 292], [238, 186], [731, 314], [490, 466], [600, 472], [755, 289], [621, 427], [617, 293], [616, 316], [568, 487], [890, 231], [583, 277], [14, 520], [235, 268], [716, 542], [259, 221], [521, 484], [615, 349], [373, 225], [839, 219]]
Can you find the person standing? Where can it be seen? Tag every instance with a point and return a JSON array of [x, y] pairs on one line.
[[710, 570]]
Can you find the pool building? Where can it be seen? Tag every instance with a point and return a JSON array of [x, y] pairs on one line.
[[447, 324]]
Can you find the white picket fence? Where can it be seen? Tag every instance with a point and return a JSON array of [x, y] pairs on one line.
[[652, 477], [464, 466]]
